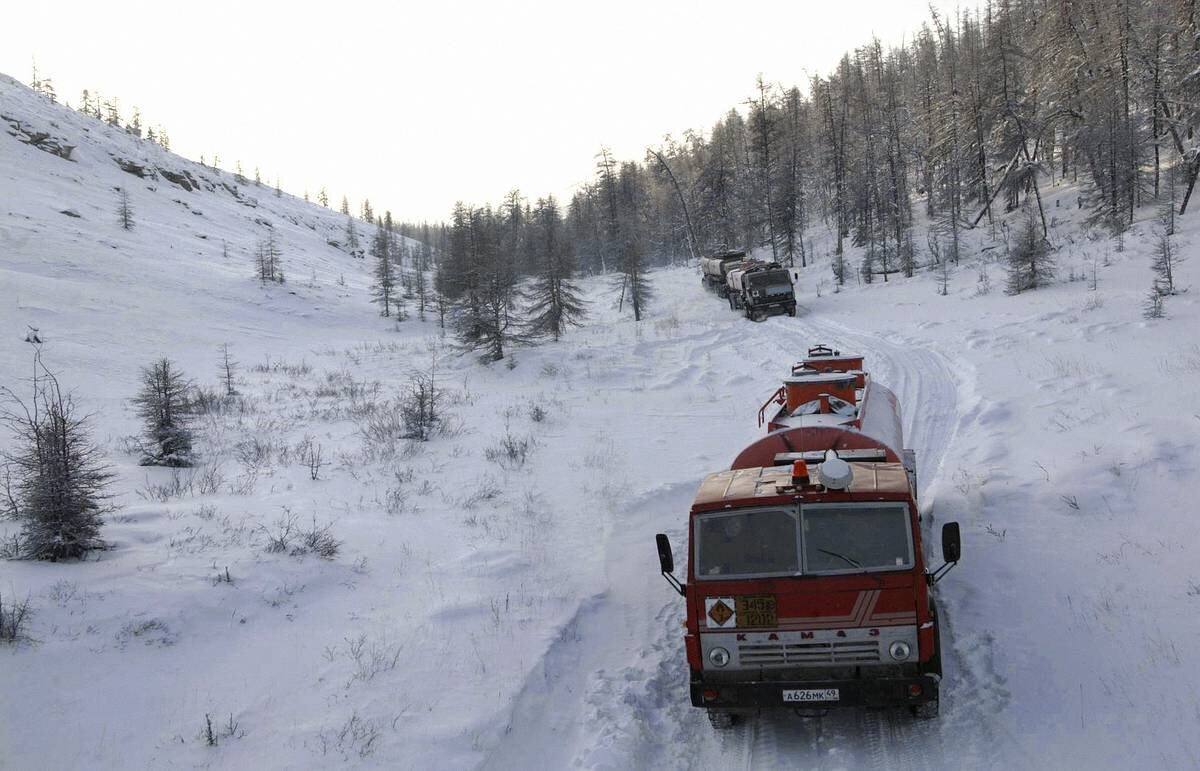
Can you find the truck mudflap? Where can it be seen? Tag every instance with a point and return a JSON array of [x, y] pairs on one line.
[[817, 694]]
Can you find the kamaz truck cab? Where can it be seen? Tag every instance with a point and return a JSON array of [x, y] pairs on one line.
[[761, 290]]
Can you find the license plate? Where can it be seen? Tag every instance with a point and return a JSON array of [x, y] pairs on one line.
[[756, 611], [804, 695]]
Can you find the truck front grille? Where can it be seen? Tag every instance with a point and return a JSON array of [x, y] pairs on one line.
[[810, 653]]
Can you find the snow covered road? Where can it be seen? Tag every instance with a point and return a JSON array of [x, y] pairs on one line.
[[612, 690]]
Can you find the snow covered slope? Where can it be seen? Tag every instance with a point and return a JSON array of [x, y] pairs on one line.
[[502, 608]]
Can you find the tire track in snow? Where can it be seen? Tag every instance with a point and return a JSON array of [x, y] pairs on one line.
[[617, 693], [927, 386]]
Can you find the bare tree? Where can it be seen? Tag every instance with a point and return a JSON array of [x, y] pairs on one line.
[[228, 368]]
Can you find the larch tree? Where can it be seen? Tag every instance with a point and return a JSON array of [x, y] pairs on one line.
[[124, 209], [164, 405], [58, 483], [554, 300], [383, 291]]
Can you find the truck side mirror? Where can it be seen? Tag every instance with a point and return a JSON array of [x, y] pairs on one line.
[[666, 563], [666, 560], [951, 542]]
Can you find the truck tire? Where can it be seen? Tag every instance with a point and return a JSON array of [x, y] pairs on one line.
[[721, 721], [792, 311], [926, 711]]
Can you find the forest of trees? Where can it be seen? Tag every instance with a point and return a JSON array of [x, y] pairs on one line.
[[972, 117]]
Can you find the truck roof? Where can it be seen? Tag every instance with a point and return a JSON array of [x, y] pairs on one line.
[[744, 485]]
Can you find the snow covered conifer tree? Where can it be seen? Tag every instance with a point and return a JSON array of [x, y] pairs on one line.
[[267, 261], [165, 409], [554, 300], [384, 289], [60, 481], [1152, 307], [480, 280], [420, 286], [353, 246], [124, 209], [628, 203], [1030, 265], [345, 209], [1165, 261]]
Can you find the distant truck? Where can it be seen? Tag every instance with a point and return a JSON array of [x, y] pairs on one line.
[[806, 580], [714, 268], [760, 289]]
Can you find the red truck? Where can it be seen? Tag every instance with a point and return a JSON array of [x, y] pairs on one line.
[[806, 580]]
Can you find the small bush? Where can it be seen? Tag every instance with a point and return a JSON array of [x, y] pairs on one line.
[[14, 619], [207, 401], [510, 452], [288, 537], [150, 632], [420, 407], [356, 737], [486, 489]]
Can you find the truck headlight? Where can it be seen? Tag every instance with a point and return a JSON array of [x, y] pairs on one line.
[[899, 650], [719, 657]]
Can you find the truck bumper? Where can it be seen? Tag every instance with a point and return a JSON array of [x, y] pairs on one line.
[[866, 692], [775, 307]]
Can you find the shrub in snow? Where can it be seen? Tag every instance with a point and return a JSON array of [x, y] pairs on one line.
[[420, 407], [14, 617], [288, 537], [165, 409], [510, 452], [57, 483]]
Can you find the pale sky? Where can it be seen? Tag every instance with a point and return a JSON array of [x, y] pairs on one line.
[[417, 106]]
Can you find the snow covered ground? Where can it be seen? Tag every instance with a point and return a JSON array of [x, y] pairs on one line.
[[488, 611]]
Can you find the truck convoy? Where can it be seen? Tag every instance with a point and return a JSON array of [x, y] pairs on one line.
[[806, 582], [760, 289], [757, 288], [714, 268]]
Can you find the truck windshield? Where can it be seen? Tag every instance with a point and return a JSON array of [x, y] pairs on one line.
[[841, 538], [775, 282], [759, 542], [823, 538]]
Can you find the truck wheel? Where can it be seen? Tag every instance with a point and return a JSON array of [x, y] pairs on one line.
[[926, 711], [792, 312], [722, 721]]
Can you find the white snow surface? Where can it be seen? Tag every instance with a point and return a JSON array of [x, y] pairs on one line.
[[495, 615]]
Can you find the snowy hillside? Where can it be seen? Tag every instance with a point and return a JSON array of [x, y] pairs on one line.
[[495, 601]]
